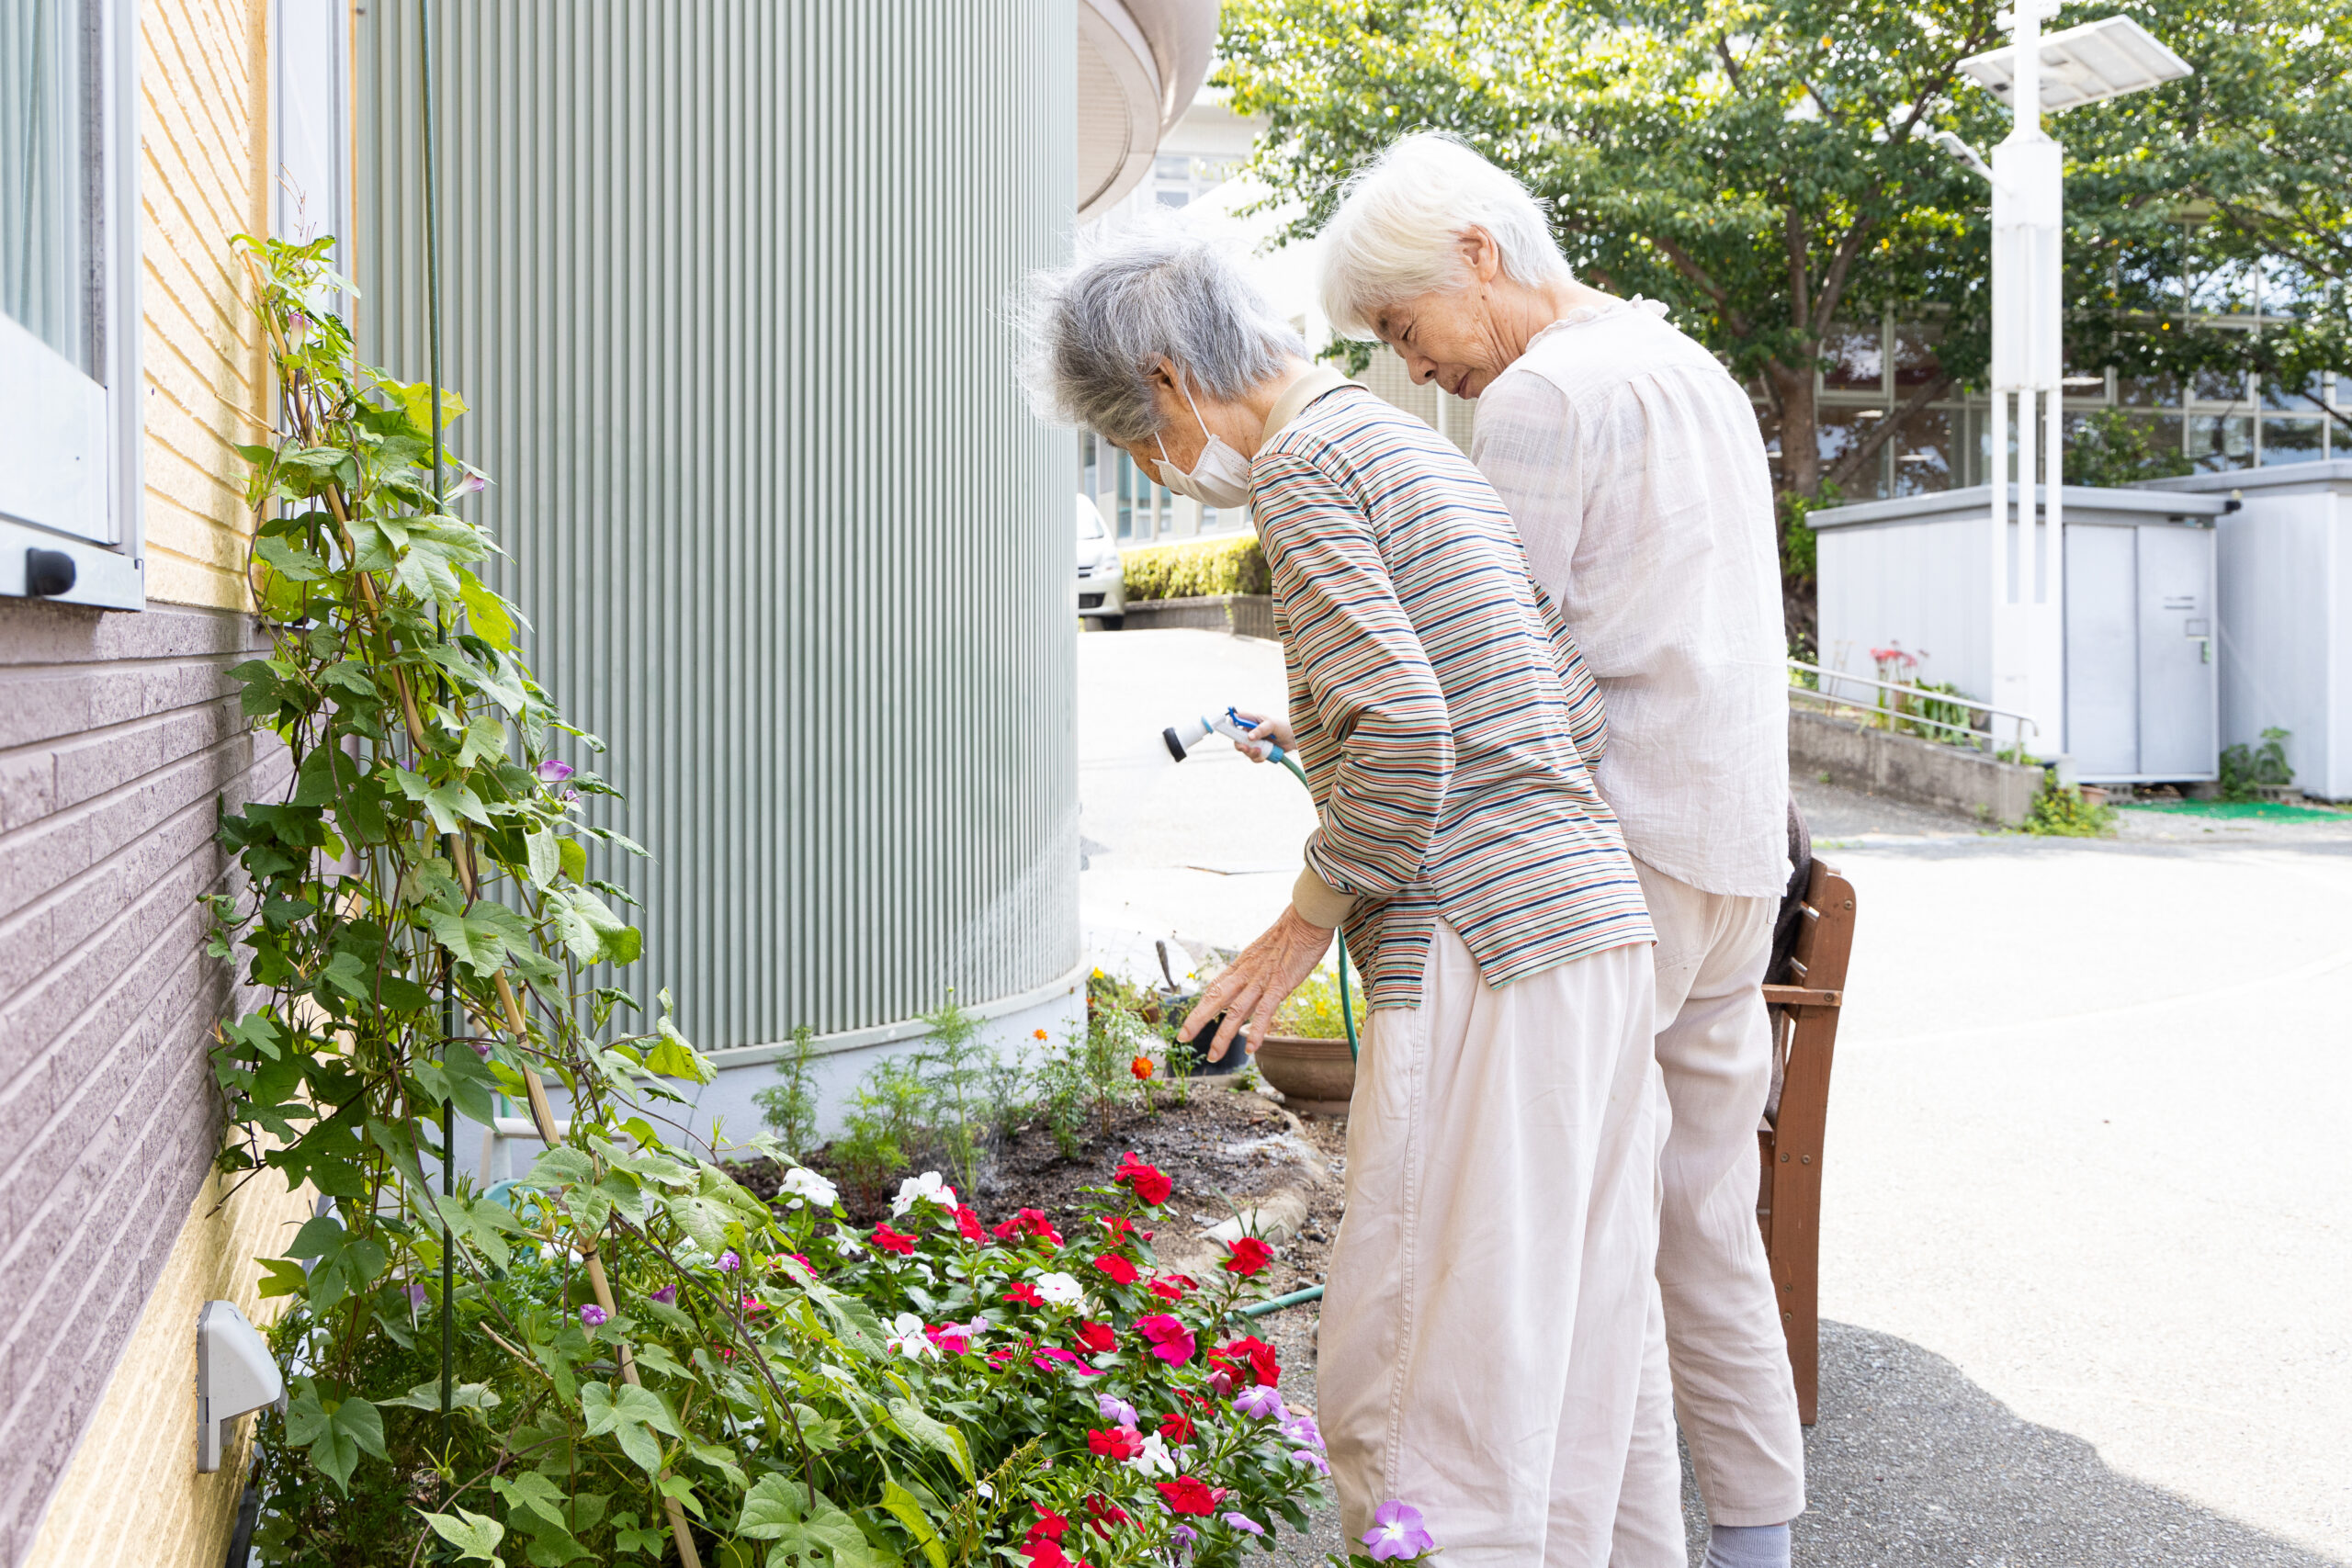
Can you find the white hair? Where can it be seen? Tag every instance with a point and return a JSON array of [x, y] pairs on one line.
[[1399, 230], [1096, 331]]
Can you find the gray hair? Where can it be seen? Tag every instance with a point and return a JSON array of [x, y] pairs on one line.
[[1399, 230], [1096, 331]]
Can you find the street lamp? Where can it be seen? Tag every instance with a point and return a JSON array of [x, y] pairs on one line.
[[2081, 65]]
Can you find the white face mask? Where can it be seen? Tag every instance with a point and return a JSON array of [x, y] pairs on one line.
[[1221, 476]]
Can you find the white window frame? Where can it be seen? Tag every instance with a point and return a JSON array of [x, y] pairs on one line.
[[70, 477]]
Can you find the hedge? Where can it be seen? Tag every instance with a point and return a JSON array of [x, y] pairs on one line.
[[1197, 569]]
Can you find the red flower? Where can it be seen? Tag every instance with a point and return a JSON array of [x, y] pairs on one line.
[[969, 1224], [1119, 1225], [1116, 1442], [1171, 1340], [1028, 1222], [1118, 1268], [1102, 1516], [1049, 1524], [1141, 1067], [1189, 1494], [1176, 1427], [1149, 1184], [1251, 1356], [1024, 1294], [1174, 1287], [1097, 1338], [1048, 1555], [1250, 1255], [890, 1240]]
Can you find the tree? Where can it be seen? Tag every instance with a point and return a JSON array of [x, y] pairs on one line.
[[1767, 170]]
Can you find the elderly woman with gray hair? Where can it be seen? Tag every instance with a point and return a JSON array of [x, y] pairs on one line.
[[1489, 1304], [1633, 466]]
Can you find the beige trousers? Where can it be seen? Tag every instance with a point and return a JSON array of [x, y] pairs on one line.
[[1489, 1289], [1727, 1355]]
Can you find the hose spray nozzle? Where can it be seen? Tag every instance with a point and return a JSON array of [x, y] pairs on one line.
[[1182, 737]]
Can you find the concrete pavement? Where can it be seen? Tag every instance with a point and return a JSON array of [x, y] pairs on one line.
[[2087, 1211]]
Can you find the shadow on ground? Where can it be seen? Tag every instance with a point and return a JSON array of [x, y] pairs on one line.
[[1912, 1464]]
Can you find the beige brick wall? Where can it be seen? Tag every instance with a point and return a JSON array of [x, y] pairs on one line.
[[204, 148], [133, 1498]]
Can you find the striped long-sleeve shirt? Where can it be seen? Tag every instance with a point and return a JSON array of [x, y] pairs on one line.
[[1445, 720]]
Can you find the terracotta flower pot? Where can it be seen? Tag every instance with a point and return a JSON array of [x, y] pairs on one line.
[[1317, 1078]]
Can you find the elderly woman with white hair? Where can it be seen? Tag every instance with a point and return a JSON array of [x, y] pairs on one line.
[[1486, 1314], [1633, 466]]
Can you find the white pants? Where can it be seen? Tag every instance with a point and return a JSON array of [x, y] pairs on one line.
[[1729, 1358], [1490, 1287]]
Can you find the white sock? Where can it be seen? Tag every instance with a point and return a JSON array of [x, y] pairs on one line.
[[1747, 1546]]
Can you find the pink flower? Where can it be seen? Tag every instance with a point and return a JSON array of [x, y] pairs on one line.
[[1244, 1523], [1169, 1339], [667, 1295], [1398, 1531], [553, 772], [594, 1316], [729, 1262], [1261, 1402]]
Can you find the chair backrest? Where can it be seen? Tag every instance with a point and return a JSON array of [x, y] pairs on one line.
[[1826, 938]]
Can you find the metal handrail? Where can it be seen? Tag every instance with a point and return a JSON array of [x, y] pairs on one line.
[[2024, 724]]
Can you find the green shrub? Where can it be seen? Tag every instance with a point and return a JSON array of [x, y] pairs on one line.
[[2061, 811], [789, 1105], [2112, 448], [1313, 1011], [2246, 772], [1197, 569]]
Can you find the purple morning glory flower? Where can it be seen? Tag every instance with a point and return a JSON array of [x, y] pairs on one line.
[[1261, 1401], [472, 484], [1245, 1523], [729, 1262], [553, 772], [1396, 1531], [416, 1292], [594, 1316], [667, 1295], [1112, 1408]]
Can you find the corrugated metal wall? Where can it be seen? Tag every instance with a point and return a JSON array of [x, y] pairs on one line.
[[725, 281]]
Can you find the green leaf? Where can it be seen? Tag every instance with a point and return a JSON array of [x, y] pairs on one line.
[[626, 1413], [934, 1434], [282, 1277], [290, 560], [901, 1506], [575, 858], [475, 1536], [462, 1396], [561, 1165], [542, 859], [485, 741], [325, 775], [673, 1057], [489, 616], [532, 1491]]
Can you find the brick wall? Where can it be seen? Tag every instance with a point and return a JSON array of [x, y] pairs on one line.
[[119, 741]]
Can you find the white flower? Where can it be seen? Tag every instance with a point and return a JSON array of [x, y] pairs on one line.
[[845, 1241], [804, 1183], [1155, 1460], [1061, 1290], [911, 1340], [928, 1187]]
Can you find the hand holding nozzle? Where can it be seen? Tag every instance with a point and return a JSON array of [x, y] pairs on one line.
[[1256, 737]]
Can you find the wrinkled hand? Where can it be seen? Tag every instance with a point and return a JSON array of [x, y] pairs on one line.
[[1254, 985], [1276, 730]]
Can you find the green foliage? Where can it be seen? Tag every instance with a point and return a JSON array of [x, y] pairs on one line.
[[418, 929], [1768, 172], [1197, 569], [1313, 1012], [2246, 770], [2112, 448], [789, 1105], [887, 1129], [2061, 811]]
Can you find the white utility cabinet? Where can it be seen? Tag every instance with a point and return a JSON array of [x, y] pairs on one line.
[[2127, 687], [2286, 613]]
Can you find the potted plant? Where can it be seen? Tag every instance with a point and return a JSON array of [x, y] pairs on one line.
[[1309, 1059]]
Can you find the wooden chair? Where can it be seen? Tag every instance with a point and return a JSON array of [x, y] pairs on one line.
[[1804, 1034]]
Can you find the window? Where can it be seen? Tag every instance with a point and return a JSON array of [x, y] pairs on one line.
[[69, 337]]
